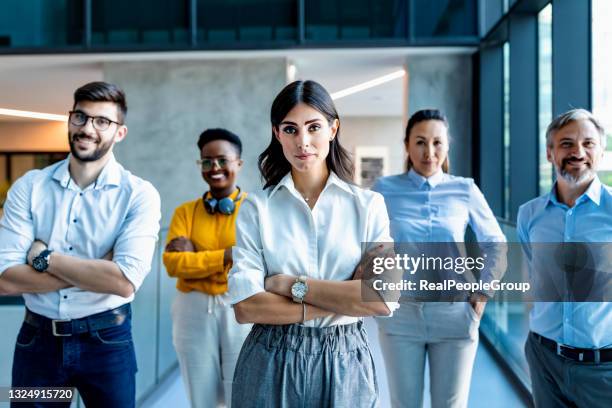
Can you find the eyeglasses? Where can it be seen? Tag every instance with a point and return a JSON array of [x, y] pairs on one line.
[[78, 118], [207, 164]]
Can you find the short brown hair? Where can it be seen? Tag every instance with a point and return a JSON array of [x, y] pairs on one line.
[[102, 92]]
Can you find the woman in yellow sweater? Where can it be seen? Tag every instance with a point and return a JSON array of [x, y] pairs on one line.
[[205, 333]]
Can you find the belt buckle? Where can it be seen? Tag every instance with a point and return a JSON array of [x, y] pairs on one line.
[[54, 328]]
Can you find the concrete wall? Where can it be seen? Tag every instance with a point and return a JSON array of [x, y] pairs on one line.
[[171, 102], [445, 82], [384, 131]]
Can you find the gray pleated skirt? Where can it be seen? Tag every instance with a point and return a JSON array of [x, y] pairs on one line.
[[297, 366]]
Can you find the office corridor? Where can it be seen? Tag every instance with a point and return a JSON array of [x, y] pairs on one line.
[[489, 387]]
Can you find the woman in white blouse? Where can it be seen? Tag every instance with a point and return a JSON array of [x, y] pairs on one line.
[[298, 244]]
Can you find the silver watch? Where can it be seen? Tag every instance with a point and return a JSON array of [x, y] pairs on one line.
[[299, 289]]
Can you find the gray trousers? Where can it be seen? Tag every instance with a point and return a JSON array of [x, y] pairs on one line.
[[297, 366], [446, 334], [560, 382]]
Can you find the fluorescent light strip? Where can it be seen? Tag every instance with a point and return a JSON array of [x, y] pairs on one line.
[[368, 84], [33, 115]]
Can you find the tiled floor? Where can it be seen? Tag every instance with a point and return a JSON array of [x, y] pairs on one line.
[[489, 387]]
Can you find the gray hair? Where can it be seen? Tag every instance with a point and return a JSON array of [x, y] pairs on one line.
[[574, 115]]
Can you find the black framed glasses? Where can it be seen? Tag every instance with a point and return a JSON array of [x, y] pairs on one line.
[[208, 163], [78, 118]]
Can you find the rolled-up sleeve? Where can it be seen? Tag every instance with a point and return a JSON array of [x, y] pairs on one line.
[[16, 226], [246, 278], [378, 231], [135, 245]]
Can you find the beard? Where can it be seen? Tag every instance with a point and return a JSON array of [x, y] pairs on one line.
[[575, 178], [100, 151]]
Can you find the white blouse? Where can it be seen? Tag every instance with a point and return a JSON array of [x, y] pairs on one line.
[[276, 232]]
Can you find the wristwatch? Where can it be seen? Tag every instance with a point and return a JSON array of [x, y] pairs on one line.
[[41, 261], [299, 289]]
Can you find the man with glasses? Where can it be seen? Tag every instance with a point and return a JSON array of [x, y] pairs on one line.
[[569, 347], [205, 333], [77, 240]]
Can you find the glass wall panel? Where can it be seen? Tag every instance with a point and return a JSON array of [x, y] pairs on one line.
[[444, 18], [41, 23], [506, 136], [545, 94], [602, 81], [151, 23], [247, 20], [355, 19], [505, 323]]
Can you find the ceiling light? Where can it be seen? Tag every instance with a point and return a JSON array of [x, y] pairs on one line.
[[33, 115], [291, 71], [368, 84]]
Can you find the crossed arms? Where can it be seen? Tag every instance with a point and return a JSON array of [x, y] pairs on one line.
[[119, 272], [95, 275], [324, 298]]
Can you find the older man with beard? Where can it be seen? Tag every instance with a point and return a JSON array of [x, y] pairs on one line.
[[76, 240], [569, 348]]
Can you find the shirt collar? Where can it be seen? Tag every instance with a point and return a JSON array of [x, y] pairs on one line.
[[333, 179], [593, 193], [420, 181], [110, 175]]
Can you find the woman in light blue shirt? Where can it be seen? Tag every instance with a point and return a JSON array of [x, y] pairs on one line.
[[426, 204]]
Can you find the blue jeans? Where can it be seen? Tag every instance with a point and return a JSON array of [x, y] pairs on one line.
[[100, 364]]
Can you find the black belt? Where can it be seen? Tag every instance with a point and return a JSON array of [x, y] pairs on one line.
[[603, 355], [67, 327]]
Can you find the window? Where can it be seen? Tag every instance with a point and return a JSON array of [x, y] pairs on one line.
[[451, 19], [602, 81], [544, 95], [126, 23], [246, 20], [353, 20], [35, 23], [506, 85]]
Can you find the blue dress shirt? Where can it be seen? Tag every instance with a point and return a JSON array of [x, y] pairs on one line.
[[545, 219], [439, 209]]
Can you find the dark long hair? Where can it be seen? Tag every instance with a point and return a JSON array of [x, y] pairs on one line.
[[422, 116], [272, 162]]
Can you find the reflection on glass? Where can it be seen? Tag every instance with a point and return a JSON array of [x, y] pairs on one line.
[[506, 52], [246, 20], [602, 81], [443, 18], [35, 23], [545, 94], [355, 19], [506, 324]]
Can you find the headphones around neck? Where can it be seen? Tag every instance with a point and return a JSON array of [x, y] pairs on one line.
[[225, 206]]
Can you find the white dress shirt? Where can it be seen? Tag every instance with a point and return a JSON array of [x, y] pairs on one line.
[[118, 212], [276, 232]]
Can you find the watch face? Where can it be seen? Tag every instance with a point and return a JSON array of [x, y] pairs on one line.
[[40, 264], [299, 290]]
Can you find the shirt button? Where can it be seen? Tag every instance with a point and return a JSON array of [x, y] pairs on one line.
[[81, 194], [75, 220], [65, 297], [70, 248]]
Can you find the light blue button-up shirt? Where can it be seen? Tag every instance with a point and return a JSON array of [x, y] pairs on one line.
[[439, 209], [545, 219], [119, 212]]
